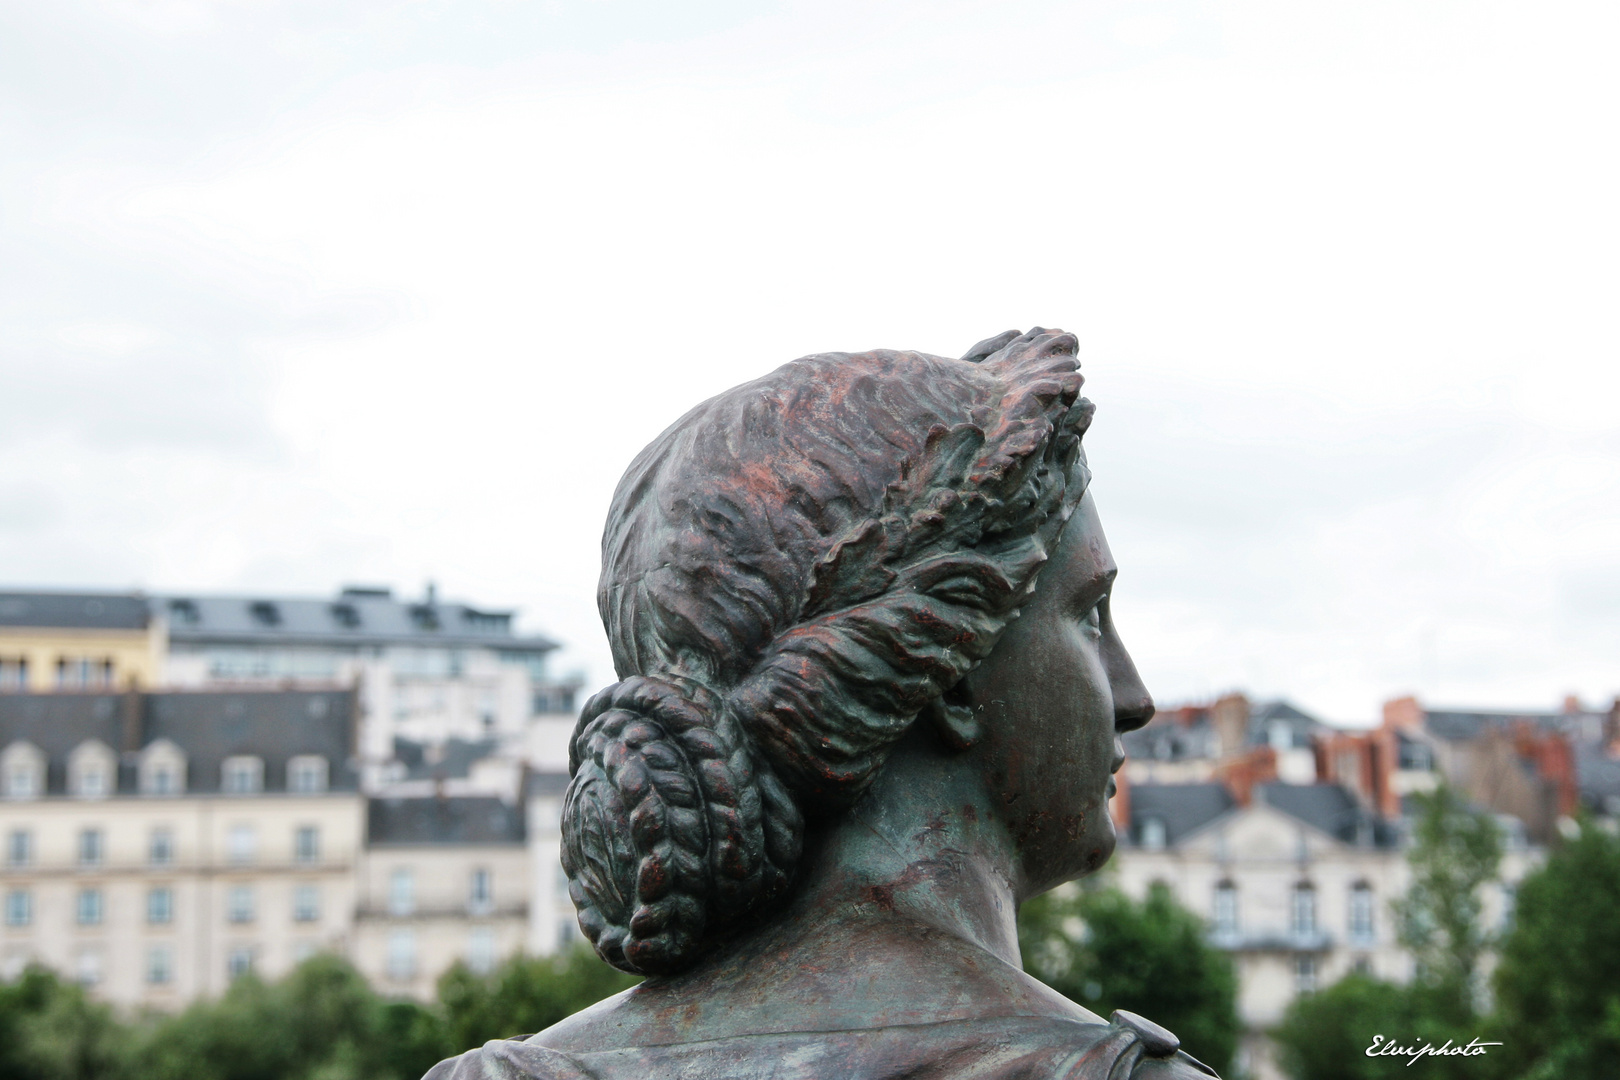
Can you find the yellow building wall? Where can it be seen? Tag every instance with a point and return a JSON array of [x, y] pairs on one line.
[[138, 656]]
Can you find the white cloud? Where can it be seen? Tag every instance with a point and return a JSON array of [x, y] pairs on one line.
[[366, 292]]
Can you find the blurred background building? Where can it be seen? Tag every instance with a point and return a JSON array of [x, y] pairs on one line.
[[197, 786]]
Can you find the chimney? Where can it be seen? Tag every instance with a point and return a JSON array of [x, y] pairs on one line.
[[1242, 773], [1230, 716], [1572, 705], [1611, 729], [1403, 714], [130, 719]]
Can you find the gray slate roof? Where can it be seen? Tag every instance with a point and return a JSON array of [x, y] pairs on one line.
[[546, 783], [1463, 725], [1181, 807], [209, 726], [1332, 809], [462, 820], [1598, 776], [353, 618], [455, 758], [75, 610], [1185, 808], [1301, 725]]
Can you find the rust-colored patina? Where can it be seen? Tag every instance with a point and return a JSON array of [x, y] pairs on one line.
[[871, 698]]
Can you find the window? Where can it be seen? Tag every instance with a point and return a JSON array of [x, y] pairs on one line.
[[303, 950], [1361, 910], [160, 850], [401, 954], [239, 904], [567, 934], [1304, 909], [83, 673], [90, 907], [160, 906], [306, 903], [307, 844], [1226, 909], [159, 965], [306, 774], [479, 897], [92, 770], [162, 769], [22, 770], [239, 961], [1304, 974], [1153, 836], [242, 775], [481, 950], [1510, 898], [13, 673], [90, 847], [1363, 965], [19, 848], [19, 907], [241, 844], [88, 969], [402, 892]]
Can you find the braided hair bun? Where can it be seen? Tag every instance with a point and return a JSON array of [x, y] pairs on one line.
[[672, 826]]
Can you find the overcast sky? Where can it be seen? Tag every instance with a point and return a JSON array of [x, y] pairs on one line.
[[309, 293]]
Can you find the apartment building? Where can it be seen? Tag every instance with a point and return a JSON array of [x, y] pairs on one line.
[[443, 880], [157, 845], [1294, 880], [430, 673], [79, 641]]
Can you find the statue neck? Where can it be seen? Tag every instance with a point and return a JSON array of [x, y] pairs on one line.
[[923, 845]]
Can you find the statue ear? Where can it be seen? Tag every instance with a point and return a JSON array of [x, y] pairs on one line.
[[989, 346], [954, 722]]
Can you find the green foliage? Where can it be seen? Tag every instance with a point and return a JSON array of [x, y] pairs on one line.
[[49, 1030], [321, 1022], [1455, 851], [1106, 951], [1326, 1035], [1558, 983], [525, 994]]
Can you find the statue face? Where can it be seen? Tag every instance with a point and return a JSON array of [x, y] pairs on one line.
[[1053, 697]]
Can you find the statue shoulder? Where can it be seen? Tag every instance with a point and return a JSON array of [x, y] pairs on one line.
[[1136, 1047], [508, 1059]]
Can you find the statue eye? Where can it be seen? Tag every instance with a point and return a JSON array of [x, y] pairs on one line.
[[1093, 617]]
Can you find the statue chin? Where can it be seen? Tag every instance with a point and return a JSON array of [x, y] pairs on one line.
[[873, 701]]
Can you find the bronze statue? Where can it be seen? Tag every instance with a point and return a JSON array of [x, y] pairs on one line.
[[871, 700]]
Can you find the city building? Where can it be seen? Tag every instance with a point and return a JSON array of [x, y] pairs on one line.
[[79, 641], [435, 675], [1189, 743], [1295, 880], [157, 845], [443, 880]]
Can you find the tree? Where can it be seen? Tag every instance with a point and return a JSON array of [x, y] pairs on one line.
[[1558, 983], [49, 1030], [321, 1022], [1106, 951], [1324, 1036], [524, 995], [1455, 851]]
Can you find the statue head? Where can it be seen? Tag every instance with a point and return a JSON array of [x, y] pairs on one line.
[[794, 575]]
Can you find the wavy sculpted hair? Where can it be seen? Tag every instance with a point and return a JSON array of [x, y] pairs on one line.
[[791, 575]]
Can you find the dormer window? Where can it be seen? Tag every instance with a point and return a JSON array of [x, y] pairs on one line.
[[265, 613], [184, 612], [242, 775], [346, 615], [306, 774], [92, 770], [424, 617], [163, 769], [22, 771]]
